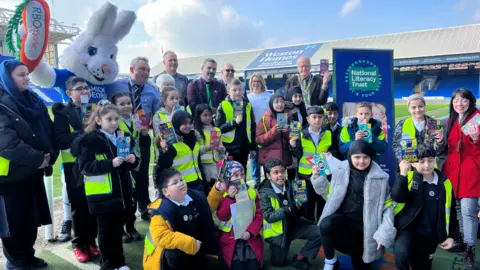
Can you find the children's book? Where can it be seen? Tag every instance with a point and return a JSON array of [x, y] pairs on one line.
[[367, 129], [123, 144], [140, 119], [215, 138], [321, 162], [238, 108], [167, 132], [242, 216], [409, 150], [222, 164], [300, 190], [295, 128], [475, 121], [282, 120], [323, 66], [433, 126]]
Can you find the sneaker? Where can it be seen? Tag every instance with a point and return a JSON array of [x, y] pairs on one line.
[[93, 250], [146, 216], [126, 238], [469, 259], [38, 263], [303, 264], [134, 234], [124, 268], [335, 266], [65, 233], [81, 254]]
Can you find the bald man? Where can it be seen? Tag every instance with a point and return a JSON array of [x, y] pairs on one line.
[[228, 73], [315, 88]]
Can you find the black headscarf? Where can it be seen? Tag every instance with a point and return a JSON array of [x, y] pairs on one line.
[[301, 107], [179, 118], [270, 103], [359, 147]]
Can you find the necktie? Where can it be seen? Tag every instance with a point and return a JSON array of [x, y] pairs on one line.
[[137, 96]]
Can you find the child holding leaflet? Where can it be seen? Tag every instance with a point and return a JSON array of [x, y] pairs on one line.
[[332, 114]]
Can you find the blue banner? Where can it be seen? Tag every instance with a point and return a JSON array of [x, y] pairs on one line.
[[283, 57], [367, 76], [435, 60]]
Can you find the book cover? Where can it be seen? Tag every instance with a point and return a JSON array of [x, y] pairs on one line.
[[321, 162], [300, 190], [475, 121], [123, 144], [242, 191], [167, 132], [238, 108], [242, 216], [87, 110], [282, 120], [409, 150], [295, 128], [141, 119], [367, 129], [215, 138], [323, 66], [433, 126], [222, 164]]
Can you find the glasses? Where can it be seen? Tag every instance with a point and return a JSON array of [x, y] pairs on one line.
[[81, 88], [104, 102], [230, 70], [176, 183]]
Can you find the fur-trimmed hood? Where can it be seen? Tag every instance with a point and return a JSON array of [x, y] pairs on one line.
[[95, 141]]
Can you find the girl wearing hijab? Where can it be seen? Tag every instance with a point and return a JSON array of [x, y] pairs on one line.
[[299, 111], [27, 153], [184, 154], [271, 138], [358, 217]]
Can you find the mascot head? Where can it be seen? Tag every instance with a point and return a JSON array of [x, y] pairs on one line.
[[92, 55]]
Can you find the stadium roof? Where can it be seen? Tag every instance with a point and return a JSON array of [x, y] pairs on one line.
[[459, 40]]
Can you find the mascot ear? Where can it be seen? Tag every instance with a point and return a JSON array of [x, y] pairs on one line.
[[102, 20], [123, 24]]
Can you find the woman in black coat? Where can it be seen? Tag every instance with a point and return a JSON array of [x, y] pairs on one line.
[[27, 153]]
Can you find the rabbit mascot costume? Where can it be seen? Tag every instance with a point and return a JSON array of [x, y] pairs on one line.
[[92, 55]]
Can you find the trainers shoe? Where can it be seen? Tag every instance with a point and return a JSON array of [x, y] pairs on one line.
[[65, 232], [303, 264], [37, 263], [469, 259], [93, 250], [81, 254], [134, 234], [126, 238], [124, 268]]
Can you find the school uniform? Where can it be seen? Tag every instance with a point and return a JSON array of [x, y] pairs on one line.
[[67, 126], [334, 149], [424, 218], [108, 190], [210, 159]]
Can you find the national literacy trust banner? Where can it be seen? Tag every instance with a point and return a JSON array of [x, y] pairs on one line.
[[367, 75]]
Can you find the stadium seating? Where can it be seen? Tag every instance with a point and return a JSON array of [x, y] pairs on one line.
[[449, 83]]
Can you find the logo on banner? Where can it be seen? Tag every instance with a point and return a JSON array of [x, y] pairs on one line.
[[363, 78]]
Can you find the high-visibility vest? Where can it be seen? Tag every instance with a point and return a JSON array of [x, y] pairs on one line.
[[276, 228], [123, 127], [208, 157], [309, 149], [186, 161], [65, 154], [230, 116], [4, 166], [99, 184], [150, 245], [448, 199], [163, 119], [409, 128], [345, 136], [226, 226]]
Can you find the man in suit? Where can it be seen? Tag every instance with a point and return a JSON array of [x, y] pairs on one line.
[[315, 88], [206, 89]]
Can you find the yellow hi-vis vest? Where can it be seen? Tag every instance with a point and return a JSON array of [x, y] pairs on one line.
[[65, 154], [4, 166], [409, 128], [99, 184], [186, 161], [208, 157], [448, 199], [123, 127], [150, 246], [226, 226], [309, 149], [230, 116], [276, 228]]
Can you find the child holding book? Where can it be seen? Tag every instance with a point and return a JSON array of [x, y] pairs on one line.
[[299, 111], [68, 125], [332, 115], [313, 140], [424, 214], [236, 120], [211, 148], [363, 127], [183, 154], [246, 252], [358, 217], [126, 123], [108, 182], [281, 223], [170, 100], [182, 232]]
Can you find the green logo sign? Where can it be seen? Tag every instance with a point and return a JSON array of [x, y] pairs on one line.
[[363, 78]]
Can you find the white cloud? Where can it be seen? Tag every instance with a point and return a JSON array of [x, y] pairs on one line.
[[349, 6]]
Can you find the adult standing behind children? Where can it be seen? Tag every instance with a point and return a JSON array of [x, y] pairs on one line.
[[26, 153], [462, 166]]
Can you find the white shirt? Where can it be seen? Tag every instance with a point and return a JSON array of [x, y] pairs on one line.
[[419, 125], [435, 179], [277, 190], [111, 137], [128, 121], [187, 199], [334, 127]]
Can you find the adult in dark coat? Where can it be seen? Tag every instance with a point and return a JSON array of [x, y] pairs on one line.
[[27, 153]]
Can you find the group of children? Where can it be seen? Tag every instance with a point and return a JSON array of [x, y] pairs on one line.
[[352, 210]]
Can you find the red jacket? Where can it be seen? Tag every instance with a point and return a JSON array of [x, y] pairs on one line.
[[275, 144], [227, 240], [463, 167]]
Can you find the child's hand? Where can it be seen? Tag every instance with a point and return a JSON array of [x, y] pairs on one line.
[[130, 159], [117, 162], [293, 142], [439, 136], [220, 186], [474, 133], [252, 154], [239, 119], [359, 135], [447, 244], [315, 171], [245, 236], [198, 245], [404, 167], [232, 191]]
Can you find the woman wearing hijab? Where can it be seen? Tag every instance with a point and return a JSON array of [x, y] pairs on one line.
[[358, 217], [26, 154]]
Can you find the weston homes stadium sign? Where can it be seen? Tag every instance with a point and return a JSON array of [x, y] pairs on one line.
[[283, 57]]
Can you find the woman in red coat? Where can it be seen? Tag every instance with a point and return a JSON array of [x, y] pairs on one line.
[[273, 139], [246, 252], [462, 166]]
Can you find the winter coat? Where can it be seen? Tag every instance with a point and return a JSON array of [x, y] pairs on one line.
[[275, 144], [196, 93], [318, 96], [350, 127], [377, 209], [162, 228], [23, 200], [227, 240], [463, 167], [85, 148]]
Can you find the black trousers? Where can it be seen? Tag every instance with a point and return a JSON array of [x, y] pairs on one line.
[[141, 177], [175, 259], [18, 248], [110, 229], [341, 233], [84, 224], [291, 174], [251, 264], [412, 251], [128, 214], [241, 157], [313, 208]]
